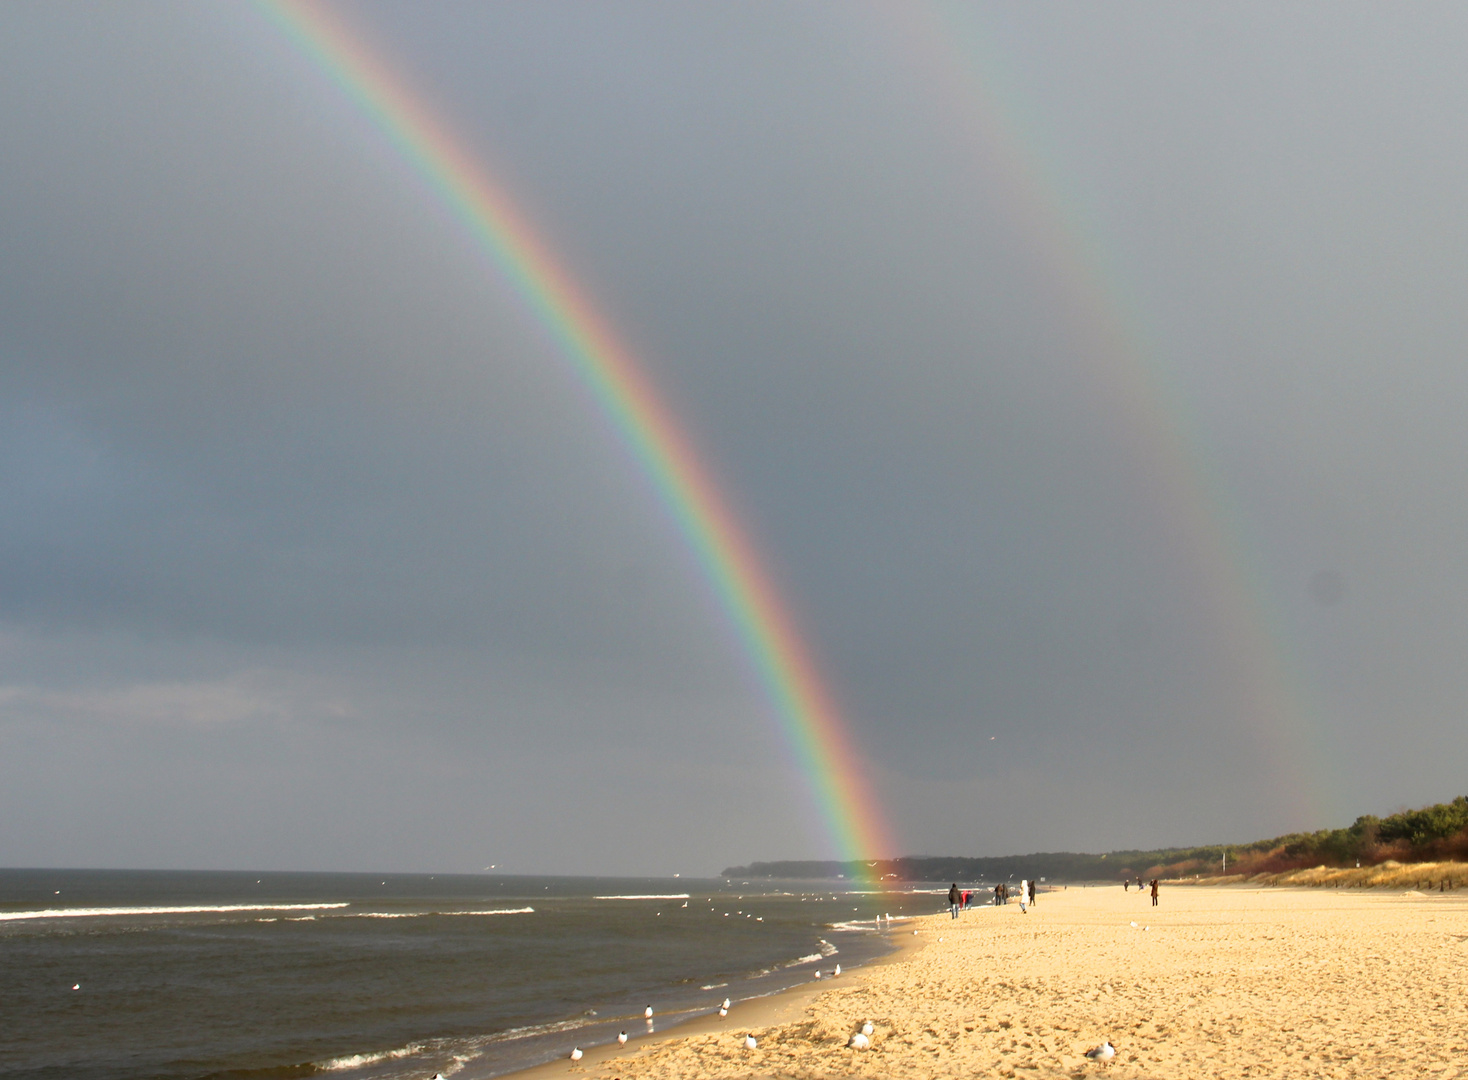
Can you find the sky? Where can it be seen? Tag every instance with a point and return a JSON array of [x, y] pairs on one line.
[[1089, 379]]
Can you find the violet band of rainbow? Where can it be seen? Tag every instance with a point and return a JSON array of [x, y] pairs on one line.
[[813, 728]]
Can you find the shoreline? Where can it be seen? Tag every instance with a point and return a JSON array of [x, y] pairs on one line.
[[757, 1013], [1215, 982]]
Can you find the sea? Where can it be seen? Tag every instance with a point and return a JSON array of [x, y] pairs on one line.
[[159, 975]]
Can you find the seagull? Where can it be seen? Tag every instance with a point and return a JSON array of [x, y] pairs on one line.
[[726, 1003], [76, 986], [818, 973], [647, 1012], [576, 1054], [438, 1076], [723, 1012], [867, 1028], [1104, 1052], [749, 1043], [859, 1042], [837, 971], [622, 1039]]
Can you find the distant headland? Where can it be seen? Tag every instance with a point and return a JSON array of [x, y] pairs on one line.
[[1433, 833]]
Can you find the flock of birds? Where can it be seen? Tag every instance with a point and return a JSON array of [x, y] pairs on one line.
[[861, 1040]]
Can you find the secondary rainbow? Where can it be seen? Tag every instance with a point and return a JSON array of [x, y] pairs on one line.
[[1131, 381], [811, 722]]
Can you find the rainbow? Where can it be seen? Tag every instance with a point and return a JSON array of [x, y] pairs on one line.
[[1271, 696], [811, 722]]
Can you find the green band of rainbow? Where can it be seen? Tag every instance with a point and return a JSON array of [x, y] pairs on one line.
[[811, 723], [950, 50]]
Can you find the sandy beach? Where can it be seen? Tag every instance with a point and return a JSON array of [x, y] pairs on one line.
[[1214, 982]]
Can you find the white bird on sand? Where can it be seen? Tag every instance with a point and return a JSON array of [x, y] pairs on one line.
[[837, 971], [622, 1039], [818, 973], [647, 1012], [749, 1043], [576, 1054], [723, 1012], [726, 1003], [1104, 1052], [859, 1042], [867, 1028]]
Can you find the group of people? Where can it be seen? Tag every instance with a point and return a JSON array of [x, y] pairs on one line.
[[958, 899], [1127, 884]]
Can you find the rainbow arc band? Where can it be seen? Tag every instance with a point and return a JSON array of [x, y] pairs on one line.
[[811, 723]]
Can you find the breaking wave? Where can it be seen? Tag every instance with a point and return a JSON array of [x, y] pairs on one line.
[[428, 914], [91, 913], [649, 896]]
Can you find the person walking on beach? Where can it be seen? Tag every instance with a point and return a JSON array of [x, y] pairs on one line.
[[954, 896], [1032, 892], [1154, 892]]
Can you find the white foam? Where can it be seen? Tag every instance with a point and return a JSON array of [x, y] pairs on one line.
[[714, 986], [91, 913], [426, 914], [649, 896], [356, 1061], [850, 927]]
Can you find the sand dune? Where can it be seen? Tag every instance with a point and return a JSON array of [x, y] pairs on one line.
[[1215, 982]]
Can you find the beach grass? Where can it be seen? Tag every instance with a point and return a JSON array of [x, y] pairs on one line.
[[1423, 877]]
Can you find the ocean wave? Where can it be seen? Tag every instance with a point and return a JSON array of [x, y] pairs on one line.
[[714, 986], [357, 1061], [649, 896], [855, 926], [91, 913], [426, 914]]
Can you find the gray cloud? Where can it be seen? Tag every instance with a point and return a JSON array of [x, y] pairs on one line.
[[313, 553]]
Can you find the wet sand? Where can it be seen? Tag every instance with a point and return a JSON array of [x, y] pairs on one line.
[[1214, 982]]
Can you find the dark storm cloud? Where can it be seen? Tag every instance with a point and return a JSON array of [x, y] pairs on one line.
[[314, 554]]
